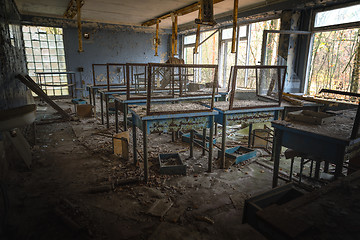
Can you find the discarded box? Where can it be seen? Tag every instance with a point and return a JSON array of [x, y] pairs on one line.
[[279, 196], [197, 138], [78, 101], [239, 153], [311, 117], [84, 110], [171, 164], [121, 144]]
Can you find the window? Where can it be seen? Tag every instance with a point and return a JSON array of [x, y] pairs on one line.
[[44, 49], [332, 60], [338, 16]]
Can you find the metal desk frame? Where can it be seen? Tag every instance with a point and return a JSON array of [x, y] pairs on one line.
[[172, 123], [250, 116], [330, 149]]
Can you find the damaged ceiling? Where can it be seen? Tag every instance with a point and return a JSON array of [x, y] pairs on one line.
[[128, 12]]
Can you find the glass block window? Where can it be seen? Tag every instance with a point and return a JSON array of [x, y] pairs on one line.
[[44, 50]]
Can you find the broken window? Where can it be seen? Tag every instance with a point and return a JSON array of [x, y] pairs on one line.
[[335, 48], [44, 50]]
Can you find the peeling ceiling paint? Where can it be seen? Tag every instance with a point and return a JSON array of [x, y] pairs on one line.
[[125, 12]]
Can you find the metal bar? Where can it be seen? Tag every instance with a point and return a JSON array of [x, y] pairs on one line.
[[301, 169], [148, 95], [134, 139], [291, 169], [233, 87], [340, 92], [102, 108], [250, 134], [204, 141], [146, 167], [223, 142], [217, 30], [90, 97], [78, 5], [191, 143], [211, 135], [277, 142], [30, 83], [176, 35], [157, 37], [108, 77], [125, 112], [107, 111], [197, 39], [116, 117], [235, 13], [188, 65], [311, 168]]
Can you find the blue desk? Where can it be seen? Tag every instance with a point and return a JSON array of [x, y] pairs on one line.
[[247, 116], [122, 104], [330, 142], [170, 123]]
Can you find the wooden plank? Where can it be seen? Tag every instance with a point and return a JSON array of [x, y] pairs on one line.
[[27, 80]]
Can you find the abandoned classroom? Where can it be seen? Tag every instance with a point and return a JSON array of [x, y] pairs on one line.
[[168, 119]]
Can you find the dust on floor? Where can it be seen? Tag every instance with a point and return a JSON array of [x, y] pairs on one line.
[[77, 189]]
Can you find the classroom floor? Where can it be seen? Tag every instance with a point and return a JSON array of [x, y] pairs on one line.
[[75, 189]]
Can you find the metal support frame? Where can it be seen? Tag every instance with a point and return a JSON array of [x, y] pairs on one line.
[[150, 82], [235, 13], [78, 7], [280, 84]]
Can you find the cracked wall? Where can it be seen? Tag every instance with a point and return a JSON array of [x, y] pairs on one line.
[[12, 57]]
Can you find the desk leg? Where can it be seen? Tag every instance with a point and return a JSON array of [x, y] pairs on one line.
[[107, 111], [134, 140], [101, 109], [216, 128], [250, 135], [125, 111], [116, 117], [223, 143], [204, 141], [94, 101], [276, 155], [191, 143], [90, 97], [340, 162], [146, 168], [211, 135]]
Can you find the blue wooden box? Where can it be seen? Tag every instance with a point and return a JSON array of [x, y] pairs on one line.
[[78, 101], [239, 153], [171, 164]]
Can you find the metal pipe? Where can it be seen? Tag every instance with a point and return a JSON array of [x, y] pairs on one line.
[[235, 13]]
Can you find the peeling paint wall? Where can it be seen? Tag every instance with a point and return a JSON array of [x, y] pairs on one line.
[[111, 46], [12, 57], [108, 43]]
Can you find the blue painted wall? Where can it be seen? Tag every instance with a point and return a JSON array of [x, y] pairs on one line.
[[111, 44]]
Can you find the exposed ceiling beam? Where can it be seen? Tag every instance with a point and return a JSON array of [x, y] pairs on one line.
[[181, 11], [71, 10]]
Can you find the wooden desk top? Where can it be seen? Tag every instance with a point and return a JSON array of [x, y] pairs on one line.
[[184, 106], [340, 129]]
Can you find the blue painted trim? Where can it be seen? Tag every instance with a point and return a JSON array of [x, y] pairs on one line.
[[321, 137]]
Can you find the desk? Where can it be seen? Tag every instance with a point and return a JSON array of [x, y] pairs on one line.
[[122, 104], [240, 116], [171, 123], [330, 142]]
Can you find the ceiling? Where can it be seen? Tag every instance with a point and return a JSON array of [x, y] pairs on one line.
[[125, 12]]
